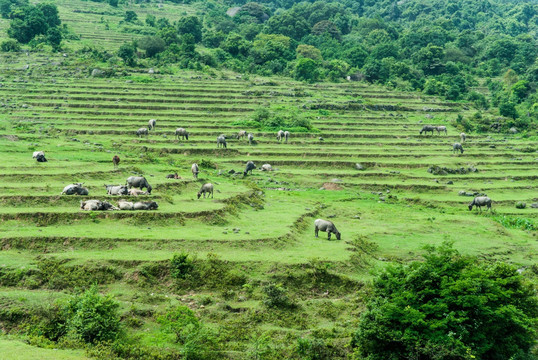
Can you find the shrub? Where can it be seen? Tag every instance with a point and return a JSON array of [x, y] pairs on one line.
[[10, 46], [448, 307], [180, 321], [275, 296], [93, 317], [180, 266]]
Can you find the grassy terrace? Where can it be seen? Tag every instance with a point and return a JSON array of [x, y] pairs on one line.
[[394, 203]]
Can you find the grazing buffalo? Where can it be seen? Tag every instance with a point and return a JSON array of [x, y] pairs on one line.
[[75, 189], [41, 158], [116, 161], [116, 190], [145, 205], [137, 192], [241, 134], [463, 137], [184, 134], [206, 189], [151, 124], [286, 136], [142, 131], [37, 153], [195, 170], [125, 205], [250, 166], [172, 176], [221, 141], [96, 205], [139, 182], [280, 135], [441, 129], [457, 147], [480, 201], [326, 226], [266, 167], [428, 128], [250, 138]]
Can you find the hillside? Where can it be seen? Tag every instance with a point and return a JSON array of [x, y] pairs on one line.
[[246, 262]]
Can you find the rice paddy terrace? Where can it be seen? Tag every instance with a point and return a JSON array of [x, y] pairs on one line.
[[259, 226]]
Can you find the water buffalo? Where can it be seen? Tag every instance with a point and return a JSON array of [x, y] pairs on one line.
[[96, 205], [145, 205], [172, 176], [480, 201], [286, 136], [266, 167], [221, 141], [250, 166], [151, 124], [139, 182], [41, 158], [37, 153], [116, 161], [184, 134], [326, 226], [195, 170], [250, 138], [463, 137], [125, 205], [457, 147], [206, 188], [75, 189], [142, 131], [280, 135], [241, 134], [428, 128], [441, 129], [116, 189], [136, 192]]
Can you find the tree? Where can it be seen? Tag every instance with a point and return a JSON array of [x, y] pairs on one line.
[[7, 5], [50, 13], [150, 20], [28, 23], [307, 70], [130, 16], [113, 3], [152, 45], [54, 38], [448, 307], [508, 109], [308, 51], [267, 47], [10, 46], [190, 25], [520, 90], [326, 27], [128, 54]]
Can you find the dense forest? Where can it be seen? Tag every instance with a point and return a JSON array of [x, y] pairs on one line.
[[483, 51]]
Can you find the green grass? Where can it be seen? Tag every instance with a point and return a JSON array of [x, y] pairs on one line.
[[18, 350]]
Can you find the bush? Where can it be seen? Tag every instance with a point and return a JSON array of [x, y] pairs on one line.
[[180, 266], [93, 317], [10, 46], [448, 307], [275, 296]]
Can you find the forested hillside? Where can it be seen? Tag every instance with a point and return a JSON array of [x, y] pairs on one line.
[[483, 51]]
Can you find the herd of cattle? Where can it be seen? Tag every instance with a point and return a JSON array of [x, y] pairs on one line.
[[135, 184]]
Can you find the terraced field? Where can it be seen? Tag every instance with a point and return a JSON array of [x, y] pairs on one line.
[[259, 224]]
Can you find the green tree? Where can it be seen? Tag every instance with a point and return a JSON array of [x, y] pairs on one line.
[[50, 14], [508, 109], [190, 25], [150, 20], [10, 46], [113, 3], [448, 307], [267, 47], [520, 90], [130, 16], [307, 70], [28, 23], [152, 45], [54, 38], [93, 317], [308, 51], [127, 52]]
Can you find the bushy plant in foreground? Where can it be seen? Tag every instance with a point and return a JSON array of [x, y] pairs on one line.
[[448, 307]]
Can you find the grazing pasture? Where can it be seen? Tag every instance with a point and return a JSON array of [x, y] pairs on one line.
[[257, 230]]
